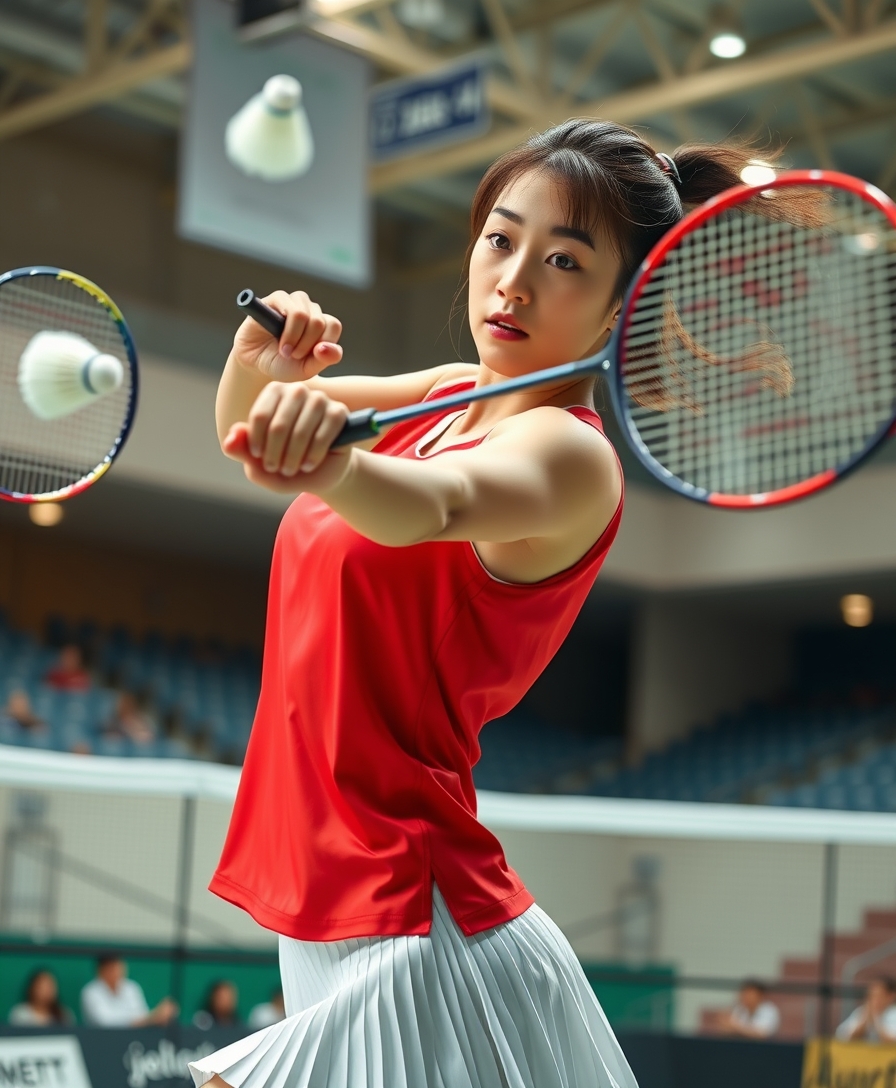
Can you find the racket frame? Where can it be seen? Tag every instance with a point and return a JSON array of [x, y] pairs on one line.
[[100, 296], [729, 199]]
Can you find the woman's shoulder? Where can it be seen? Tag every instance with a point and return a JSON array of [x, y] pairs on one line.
[[449, 375], [23, 1015], [577, 426]]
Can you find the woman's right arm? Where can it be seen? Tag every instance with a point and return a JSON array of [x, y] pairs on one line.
[[308, 345]]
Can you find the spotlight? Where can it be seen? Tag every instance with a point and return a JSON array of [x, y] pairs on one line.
[[46, 514], [727, 46], [726, 38], [857, 609], [757, 172]]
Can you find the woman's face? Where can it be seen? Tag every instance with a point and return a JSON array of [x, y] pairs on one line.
[[223, 1002], [43, 990], [540, 292]]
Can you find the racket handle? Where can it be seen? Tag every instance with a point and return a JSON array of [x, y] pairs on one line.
[[259, 311], [358, 427]]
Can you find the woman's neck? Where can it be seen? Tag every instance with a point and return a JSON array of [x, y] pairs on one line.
[[484, 415]]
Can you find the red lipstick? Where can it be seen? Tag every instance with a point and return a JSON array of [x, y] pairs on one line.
[[504, 327]]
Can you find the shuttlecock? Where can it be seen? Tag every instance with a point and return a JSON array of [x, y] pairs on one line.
[[60, 372], [270, 137]]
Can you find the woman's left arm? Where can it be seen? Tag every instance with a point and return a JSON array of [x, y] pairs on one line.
[[541, 474]]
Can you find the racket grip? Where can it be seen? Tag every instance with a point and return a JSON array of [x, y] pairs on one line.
[[358, 427], [259, 311]]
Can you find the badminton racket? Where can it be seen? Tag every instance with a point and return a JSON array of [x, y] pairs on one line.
[[68, 384], [754, 359]]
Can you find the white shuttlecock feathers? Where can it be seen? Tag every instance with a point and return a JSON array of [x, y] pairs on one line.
[[60, 372], [270, 137]]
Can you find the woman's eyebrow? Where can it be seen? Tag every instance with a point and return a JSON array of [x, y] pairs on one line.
[[572, 232], [558, 232]]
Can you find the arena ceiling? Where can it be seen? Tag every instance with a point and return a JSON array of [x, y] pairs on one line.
[[818, 75]]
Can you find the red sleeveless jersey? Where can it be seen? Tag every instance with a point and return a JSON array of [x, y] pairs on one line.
[[381, 666]]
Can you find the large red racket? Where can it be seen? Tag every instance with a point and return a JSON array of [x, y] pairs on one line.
[[754, 360]]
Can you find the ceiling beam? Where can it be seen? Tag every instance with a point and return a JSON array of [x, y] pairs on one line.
[[405, 58], [640, 103], [94, 90], [551, 12]]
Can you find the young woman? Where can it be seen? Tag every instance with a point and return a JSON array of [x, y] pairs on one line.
[[417, 590], [40, 1005]]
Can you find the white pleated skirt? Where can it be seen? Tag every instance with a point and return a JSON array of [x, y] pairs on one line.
[[507, 1008]]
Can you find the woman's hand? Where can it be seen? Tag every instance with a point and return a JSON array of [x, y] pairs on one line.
[[308, 344], [285, 445]]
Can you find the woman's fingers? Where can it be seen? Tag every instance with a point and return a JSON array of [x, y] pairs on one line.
[[303, 430], [313, 331], [290, 429], [236, 442], [297, 310], [327, 354], [262, 413], [329, 428], [313, 434], [294, 414]]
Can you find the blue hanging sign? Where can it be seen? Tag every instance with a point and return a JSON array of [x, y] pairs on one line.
[[409, 115]]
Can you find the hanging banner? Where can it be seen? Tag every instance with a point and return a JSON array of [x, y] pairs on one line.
[[317, 221], [410, 115], [829, 1063]]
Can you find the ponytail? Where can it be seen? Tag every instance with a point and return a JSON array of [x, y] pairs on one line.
[[709, 169]]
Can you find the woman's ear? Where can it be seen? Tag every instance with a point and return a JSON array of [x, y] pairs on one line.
[[614, 317]]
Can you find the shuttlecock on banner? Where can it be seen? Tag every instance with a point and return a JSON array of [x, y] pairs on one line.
[[60, 372], [270, 137]]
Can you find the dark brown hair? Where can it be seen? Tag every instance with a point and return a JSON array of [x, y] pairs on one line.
[[613, 181], [57, 1013]]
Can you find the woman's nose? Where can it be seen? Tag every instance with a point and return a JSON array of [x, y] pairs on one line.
[[514, 283]]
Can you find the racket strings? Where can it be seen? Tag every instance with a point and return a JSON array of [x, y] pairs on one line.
[[42, 457], [761, 352]]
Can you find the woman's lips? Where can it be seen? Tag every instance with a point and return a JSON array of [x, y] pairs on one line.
[[501, 330]]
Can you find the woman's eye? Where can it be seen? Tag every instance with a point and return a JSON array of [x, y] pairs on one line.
[[498, 240], [562, 261]]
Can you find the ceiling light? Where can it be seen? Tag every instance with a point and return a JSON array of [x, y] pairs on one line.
[[726, 39], [46, 513], [857, 609], [727, 44], [757, 172]]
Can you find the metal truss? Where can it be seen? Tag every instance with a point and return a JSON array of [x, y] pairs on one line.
[[545, 59]]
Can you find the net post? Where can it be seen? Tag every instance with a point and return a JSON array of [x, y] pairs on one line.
[[828, 928], [182, 901]]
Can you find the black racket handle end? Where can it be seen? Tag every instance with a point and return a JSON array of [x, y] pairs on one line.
[[358, 427], [259, 311]]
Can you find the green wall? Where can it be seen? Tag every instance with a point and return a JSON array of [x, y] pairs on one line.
[[630, 997], [154, 970]]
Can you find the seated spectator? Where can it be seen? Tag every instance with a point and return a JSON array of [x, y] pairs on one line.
[[875, 1020], [754, 1016], [19, 713], [112, 1000], [129, 721], [69, 674], [268, 1012], [220, 1008], [40, 1005]]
